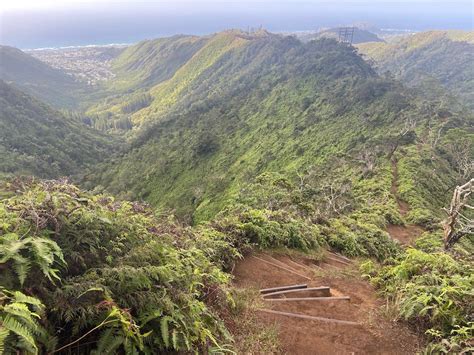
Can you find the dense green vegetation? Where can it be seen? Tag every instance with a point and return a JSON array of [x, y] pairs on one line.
[[433, 290], [236, 141], [103, 272], [37, 140], [429, 60], [92, 273], [269, 104]]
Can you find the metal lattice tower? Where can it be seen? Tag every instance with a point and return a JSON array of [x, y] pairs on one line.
[[346, 34]]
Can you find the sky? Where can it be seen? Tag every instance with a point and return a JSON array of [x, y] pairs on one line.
[[48, 23]]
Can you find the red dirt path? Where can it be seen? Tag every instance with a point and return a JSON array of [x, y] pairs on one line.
[[375, 334]]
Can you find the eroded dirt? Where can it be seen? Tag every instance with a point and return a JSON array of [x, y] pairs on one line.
[[375, 334], [406, 235]]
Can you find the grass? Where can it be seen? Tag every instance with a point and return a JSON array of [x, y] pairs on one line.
[[251, 336]]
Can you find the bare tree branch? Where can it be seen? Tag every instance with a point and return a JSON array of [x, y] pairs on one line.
[[457, 224]]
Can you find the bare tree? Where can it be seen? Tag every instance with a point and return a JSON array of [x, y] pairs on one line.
[[367, 158], [434, 134], [459, 222], [461, 152], [409, 126], [336, 196]]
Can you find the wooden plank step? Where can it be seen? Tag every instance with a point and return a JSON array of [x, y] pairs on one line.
[[282, 288], [281, 267], [285, 292], [338, 260], [340, 256], [294, 299], [304, 316]]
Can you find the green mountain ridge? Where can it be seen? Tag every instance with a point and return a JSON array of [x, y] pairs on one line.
[[429, 60], [150, 62], [244, 105], [237, 143]]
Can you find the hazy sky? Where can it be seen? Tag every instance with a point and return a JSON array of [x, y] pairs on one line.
[[29, 4], [37, 23]]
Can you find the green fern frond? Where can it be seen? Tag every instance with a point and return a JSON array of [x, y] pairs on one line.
[[21, 312], [23, 332], [22, 298], [165, 331], [109, 342], [3, 337]]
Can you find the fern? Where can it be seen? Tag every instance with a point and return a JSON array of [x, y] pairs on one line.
[[18, 319], [28, 252], [4, 332], [109, 342], [22, 331], [165, 331]]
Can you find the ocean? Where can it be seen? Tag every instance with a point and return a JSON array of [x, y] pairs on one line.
[[121, 23]]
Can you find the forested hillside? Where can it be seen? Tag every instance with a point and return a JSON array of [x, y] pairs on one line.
[[236, 144], [429, 60], [39, 79], [37, 140], [273, 104]]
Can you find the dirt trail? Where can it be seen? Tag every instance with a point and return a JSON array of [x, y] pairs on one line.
[[405, 234], [374, 335]]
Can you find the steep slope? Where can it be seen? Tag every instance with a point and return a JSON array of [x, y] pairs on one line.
[[37, 140], [150, 62], [157, 73], [269, 103], [37, 78], [428, 60], [272, 144]]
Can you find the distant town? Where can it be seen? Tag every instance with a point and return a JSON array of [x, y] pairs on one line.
[[89, 64]]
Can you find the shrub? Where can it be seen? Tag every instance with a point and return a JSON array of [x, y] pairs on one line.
[[433, 290], [128, 281]]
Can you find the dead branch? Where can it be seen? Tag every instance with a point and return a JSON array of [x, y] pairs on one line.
[[457, 224]]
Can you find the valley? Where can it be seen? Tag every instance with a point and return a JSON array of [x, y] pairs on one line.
[[149, 192]]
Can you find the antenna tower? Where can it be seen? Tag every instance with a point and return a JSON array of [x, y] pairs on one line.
[[346, 34]]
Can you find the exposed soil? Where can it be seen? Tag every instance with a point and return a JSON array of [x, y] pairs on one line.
[[375, 333], [406, 235]]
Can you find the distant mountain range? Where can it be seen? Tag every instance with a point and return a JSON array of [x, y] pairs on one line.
[[238, 142], [359, 35], [434, 59], [222, 109], [205, 114]]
